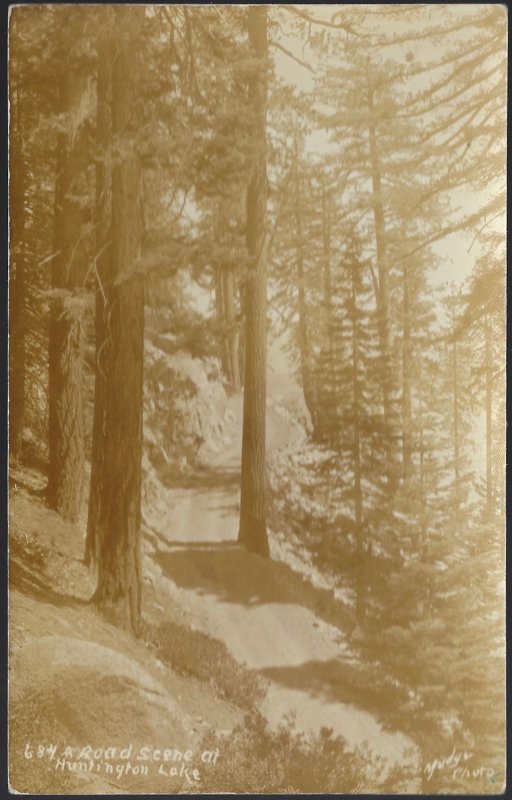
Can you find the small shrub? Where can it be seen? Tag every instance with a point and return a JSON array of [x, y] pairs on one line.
[[198, 654], [256, 759]]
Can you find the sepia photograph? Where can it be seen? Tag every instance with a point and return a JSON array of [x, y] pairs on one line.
[[257, 399]]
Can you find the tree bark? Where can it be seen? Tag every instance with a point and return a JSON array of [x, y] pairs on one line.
[[65, 402], [241, 334], [17, 284], [118, 594], [253, 528], [232, 334], [103, 267]]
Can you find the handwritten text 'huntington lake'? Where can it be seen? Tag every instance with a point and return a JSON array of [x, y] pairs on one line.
[[124, 761]]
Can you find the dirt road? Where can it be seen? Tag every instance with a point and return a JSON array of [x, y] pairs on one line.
[[242, 600]]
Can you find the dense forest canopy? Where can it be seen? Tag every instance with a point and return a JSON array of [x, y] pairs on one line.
[[328, 180]]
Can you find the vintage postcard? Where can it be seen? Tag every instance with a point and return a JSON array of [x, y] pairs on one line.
[[257, 280]]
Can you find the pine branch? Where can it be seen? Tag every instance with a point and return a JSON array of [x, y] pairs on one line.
[[315, 21], [290, 55]]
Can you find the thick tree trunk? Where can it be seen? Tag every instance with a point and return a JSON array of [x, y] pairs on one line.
[[304, 349], [65, 402], [17, 348], [253, 528], [406, 380], [118, 594], [382, 268], [103, 256]]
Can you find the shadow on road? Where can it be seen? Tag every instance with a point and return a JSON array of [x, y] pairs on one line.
[[227, 571], [338, 680], [207, 478], [230, 573]]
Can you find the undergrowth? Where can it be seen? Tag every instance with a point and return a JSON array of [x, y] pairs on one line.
[[257, 759], [195, 653], [27, 548]]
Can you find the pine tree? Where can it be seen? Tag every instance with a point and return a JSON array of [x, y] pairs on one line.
[[102, 262], [118, 593], [253, 530]]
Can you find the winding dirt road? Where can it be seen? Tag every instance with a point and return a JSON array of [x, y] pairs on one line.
[[242, 600]]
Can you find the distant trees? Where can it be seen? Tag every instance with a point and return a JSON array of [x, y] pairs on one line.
[[31, 192], [410, 135], [480, 326]]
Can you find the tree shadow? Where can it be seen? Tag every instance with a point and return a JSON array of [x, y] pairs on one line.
[[206, 478], [341, 680], [230, 573], [225, 570], [203, 545]]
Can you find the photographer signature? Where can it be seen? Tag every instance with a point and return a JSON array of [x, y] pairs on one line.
[[457, 763]]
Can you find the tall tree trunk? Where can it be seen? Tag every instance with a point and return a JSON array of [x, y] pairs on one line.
[[241, 333], [358, 494], [326, 427], [423, 499], [220, 314], [118, 594], [17, 347], [382, 268], [103, 214], [253, 528], [488, 418], [406, 380], [304, 349], [65, 402], [225, 309], [232, 334]]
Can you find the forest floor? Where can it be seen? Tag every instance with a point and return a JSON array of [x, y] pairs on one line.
[[75, 680]]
